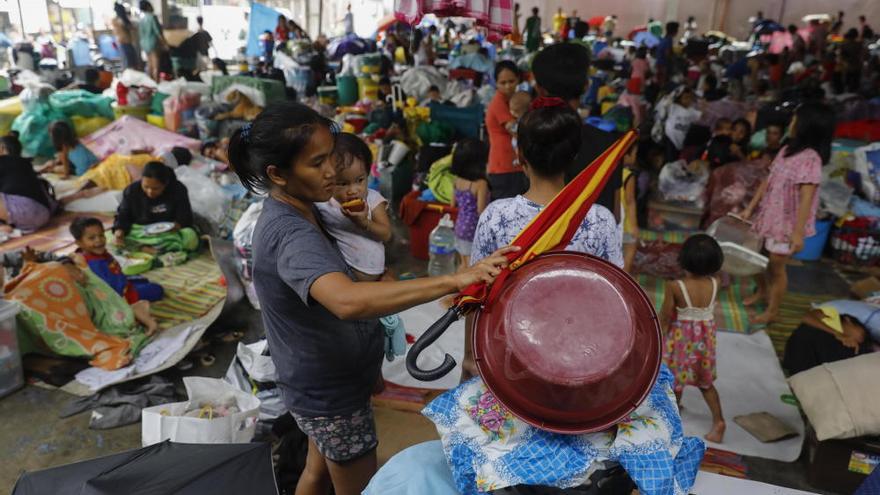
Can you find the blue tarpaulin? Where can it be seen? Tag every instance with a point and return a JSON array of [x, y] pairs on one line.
[[262, 18]]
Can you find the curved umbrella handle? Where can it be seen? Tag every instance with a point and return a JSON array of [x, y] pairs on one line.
[[432, 334]]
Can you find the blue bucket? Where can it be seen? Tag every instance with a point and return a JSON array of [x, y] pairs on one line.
[[815, 244]]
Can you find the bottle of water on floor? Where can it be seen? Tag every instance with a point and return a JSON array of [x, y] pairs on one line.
[[442, 248]]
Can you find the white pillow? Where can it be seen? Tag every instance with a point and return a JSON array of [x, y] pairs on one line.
[[841, 399]]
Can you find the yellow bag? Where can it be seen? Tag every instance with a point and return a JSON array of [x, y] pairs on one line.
[[10, 108], [87, 125]]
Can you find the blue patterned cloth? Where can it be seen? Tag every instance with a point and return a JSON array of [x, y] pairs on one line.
[[488, 448], [503, 219]]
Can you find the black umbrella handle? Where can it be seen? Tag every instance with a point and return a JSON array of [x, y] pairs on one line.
[[429, 337]]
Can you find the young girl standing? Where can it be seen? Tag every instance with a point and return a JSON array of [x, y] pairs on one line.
[[688, 317], [471, 193], [788, 199], [322, 325], [629, 207]]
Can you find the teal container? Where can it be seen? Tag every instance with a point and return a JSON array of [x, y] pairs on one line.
[[347, 89]]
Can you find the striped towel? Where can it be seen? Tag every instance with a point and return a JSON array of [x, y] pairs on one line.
[[191, 290]]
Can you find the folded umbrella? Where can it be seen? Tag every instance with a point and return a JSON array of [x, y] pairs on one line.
[[552, 229]]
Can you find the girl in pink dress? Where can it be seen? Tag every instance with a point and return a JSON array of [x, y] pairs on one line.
[[688, 317], [789, 198]]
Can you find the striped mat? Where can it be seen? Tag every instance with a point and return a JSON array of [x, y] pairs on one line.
[[54, 237], [793, 308], [191, 290], [729, 313], [671, 236]]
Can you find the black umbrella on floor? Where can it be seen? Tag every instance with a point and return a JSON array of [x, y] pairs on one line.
[[166, 467]]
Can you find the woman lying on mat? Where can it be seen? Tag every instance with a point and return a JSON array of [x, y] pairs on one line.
[[24, 200], [158, 197]]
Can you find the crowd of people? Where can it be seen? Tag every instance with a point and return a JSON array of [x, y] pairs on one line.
[[319, 262]]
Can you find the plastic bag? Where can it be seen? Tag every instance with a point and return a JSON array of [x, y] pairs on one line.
[[678, 182], [834, 197], [35, 93], [82, 103], [417, 81], [207, 197], [33, 129], [253, 372], [242, 239], [866, 161], [167, 421], [131, 77]]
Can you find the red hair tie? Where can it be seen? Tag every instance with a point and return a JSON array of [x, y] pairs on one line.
[[547, 102]]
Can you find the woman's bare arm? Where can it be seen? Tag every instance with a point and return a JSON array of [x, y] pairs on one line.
[[350, 300]]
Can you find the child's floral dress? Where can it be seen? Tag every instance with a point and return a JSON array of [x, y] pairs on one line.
[[689, 350]]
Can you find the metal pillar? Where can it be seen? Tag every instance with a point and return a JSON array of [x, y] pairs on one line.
[[21, 19]]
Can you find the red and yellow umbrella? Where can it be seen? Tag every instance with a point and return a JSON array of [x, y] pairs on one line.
[[552, 229]]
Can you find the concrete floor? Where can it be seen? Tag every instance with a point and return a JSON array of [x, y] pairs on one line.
[[33, 437]]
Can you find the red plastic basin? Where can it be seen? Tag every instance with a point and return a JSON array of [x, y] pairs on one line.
[[572, 344]]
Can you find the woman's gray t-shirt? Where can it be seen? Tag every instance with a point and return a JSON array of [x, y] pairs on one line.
[[325, 366]]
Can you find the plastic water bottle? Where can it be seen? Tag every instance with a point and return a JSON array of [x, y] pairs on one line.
[[442, 248]]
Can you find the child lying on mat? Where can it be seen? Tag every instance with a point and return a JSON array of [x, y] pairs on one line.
[[157, 197], [92, 251]]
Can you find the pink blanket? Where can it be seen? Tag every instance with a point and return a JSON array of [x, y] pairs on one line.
[[129, 133]]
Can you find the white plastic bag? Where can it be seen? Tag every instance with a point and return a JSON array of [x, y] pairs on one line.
[[167, 421], [131, 77], [207, 197], [259, 367], [417, 81], [869, 170], [254, 373], [678, 182]]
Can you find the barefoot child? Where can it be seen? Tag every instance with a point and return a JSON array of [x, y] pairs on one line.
[[789, 198], [356, 216], [471, 193], [688, 317]]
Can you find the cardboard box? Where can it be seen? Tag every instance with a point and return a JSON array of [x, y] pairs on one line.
[[865, 287]]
